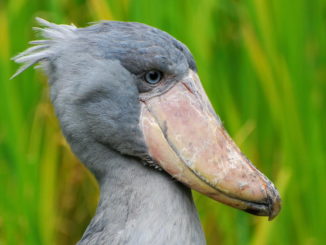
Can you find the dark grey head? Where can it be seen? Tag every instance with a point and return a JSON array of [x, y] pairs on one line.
[[132, 89]]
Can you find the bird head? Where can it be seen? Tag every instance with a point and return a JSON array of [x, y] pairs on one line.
[[133, 89]]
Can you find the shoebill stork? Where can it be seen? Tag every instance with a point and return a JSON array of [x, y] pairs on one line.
[[132, 107]]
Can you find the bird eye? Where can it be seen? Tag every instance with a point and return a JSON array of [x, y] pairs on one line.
[[153, 77]]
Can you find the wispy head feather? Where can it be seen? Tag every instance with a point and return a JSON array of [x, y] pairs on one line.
[[44, 49]]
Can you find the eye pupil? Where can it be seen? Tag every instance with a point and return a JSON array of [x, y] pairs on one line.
[[153, 77]]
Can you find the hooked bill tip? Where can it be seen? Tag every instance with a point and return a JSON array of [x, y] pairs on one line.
[[275, 208]]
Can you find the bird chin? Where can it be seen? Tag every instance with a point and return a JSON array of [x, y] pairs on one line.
[[186, 138]]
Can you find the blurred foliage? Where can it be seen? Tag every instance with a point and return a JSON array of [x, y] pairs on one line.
[[263, 64]]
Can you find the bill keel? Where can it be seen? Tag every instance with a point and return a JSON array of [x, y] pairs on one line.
[[186, 138]]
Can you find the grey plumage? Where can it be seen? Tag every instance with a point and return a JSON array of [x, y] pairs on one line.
[[143, 206], [95, 76]]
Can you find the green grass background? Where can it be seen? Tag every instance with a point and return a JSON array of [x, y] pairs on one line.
[[263, 65]]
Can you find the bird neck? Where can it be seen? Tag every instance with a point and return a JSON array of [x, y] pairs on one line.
[[141, 205]]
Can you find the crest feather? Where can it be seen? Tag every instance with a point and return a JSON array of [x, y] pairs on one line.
[[43, 49]]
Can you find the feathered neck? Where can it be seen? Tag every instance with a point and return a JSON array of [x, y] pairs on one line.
[[140, 205]]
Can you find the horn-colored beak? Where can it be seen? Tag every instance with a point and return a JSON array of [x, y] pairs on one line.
[[186, 138]]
